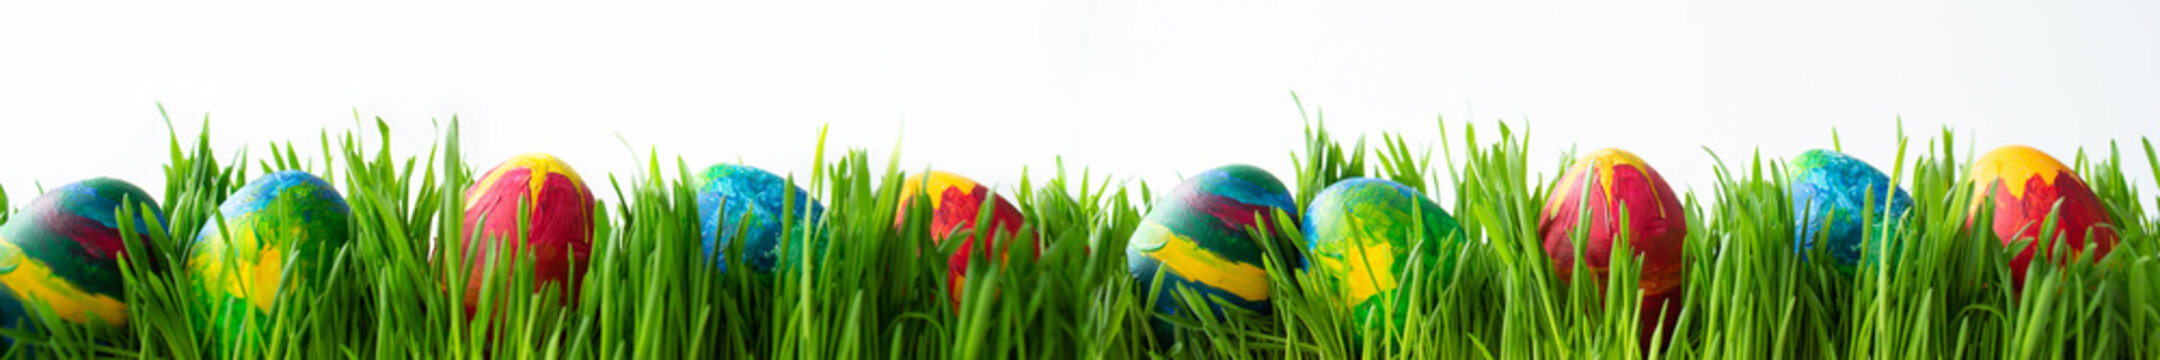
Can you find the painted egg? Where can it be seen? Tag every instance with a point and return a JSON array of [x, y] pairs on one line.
[[1364, 231], [1196, 237], [744, 202], [2022, 184], [1607, 182], [65, 250], [559, 231], [1829, 191], [12, 313], [238, 268], [955, 203]]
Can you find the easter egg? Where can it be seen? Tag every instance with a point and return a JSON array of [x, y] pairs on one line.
[[559, 232], [12, 313], [1195, 237], [65, 250], [740, 202], [1610, 184], [1364, 231], [1829, 191], [2022, 184], [239, 266], [955, 203]]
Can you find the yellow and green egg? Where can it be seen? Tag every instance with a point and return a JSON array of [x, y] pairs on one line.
[[287, 223], [1365, 234]]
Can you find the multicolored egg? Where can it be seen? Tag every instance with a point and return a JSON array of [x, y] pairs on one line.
[[560, 229], [13, 312], [1606, 183], [1196, 237], [955, 203], [1829, 191], [741, 202], [65, 249], [239, 267], [2022, 184], [1364, 231]]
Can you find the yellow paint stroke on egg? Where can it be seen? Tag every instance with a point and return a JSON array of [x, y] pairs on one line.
[[33, 280], [1368, 265], [1607, 161], [937, 181], [540, 165], [1565, 189], [1185, 256], [256, 268], [2018, 163]]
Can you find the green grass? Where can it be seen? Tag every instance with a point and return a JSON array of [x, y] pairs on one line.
[[879, 291]]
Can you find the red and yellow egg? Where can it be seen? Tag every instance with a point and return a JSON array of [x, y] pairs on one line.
[[558, 236], [2022, 184], [955, 204], [1611, 183]]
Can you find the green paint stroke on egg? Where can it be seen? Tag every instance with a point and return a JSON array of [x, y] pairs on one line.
[[65, 249], [1362, 232], [287, 216]]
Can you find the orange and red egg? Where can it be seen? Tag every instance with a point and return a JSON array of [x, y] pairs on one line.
[[2022, 185], [1611, 183], [955, 204]]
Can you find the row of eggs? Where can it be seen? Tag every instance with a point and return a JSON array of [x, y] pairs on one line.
[[1361, 232], [63, 248]]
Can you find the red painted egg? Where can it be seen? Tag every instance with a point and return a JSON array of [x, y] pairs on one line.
[[955, 202], [1656, 222], [2022, 184], [560, 229]]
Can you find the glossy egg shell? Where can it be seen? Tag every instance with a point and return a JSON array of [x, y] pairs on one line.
[[2022, 184], [560, 229], [1364, 231], [286, 215], [1602, 182], [65, 249], [1829, 191], [726, 193], [1196, 237], [955, 203]]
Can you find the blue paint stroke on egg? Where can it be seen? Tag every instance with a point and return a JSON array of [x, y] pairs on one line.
[[1833, 187], [728, 192]]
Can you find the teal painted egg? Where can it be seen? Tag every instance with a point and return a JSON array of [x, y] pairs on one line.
[[741, 203], [284, 223], [1196, 237], [65, 250], [1363, 232], [1829, 191]]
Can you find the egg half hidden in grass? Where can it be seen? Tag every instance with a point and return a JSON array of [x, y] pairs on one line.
[[1830, 191], [741, 202], [559, 234], [2022, 185], [1609, 184], [1196, 237], [65, 250], [1363, 232], [287, 223], [955, 204]]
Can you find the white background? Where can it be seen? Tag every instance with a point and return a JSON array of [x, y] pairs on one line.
[[1139, 89]]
